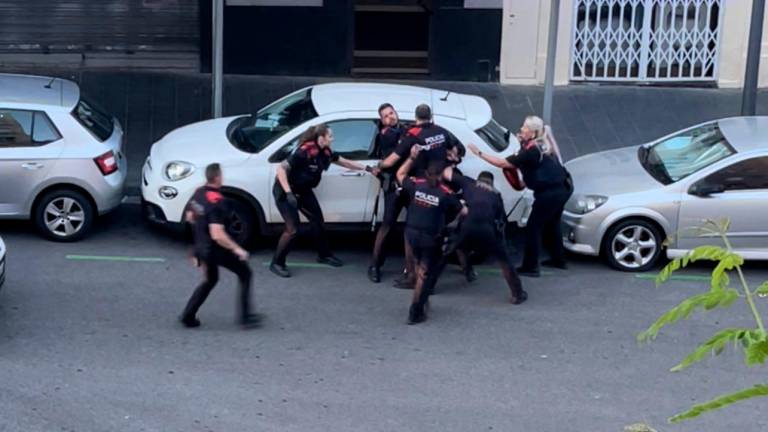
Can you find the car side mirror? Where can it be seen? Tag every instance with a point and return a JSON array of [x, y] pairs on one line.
[[706, 189]]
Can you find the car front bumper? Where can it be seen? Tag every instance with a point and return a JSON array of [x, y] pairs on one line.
[[581, 233]]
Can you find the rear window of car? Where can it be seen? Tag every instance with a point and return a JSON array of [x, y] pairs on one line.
[[93, 118], [494, 135]]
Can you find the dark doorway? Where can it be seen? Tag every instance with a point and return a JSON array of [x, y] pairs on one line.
[[391, 37]]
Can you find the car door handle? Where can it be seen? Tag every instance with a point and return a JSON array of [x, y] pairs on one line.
[[352, 174], [32, 166]]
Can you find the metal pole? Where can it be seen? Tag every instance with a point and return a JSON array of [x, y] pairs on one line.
[[218, 48], [549, 77], [749, 93]]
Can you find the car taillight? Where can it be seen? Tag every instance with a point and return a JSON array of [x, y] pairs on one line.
[[107, 163]]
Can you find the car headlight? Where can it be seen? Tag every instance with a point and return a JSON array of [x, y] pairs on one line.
[[582, 204], [178, 170]]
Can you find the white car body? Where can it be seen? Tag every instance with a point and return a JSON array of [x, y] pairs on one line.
[[347, 197]]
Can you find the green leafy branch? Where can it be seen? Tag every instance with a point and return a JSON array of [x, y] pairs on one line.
[[754, 342]]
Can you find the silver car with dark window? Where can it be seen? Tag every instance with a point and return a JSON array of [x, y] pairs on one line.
[[628, 201], [61, 157]]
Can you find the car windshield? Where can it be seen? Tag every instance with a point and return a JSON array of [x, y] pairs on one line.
[[254, 133], [93, 118], [495, 135], [683, 154]]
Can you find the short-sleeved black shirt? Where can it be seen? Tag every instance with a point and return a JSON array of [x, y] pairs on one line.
[[484, 202], [429, 205], [209, 207], [307, 164], [540, 171], [434, 142], [386, 142]]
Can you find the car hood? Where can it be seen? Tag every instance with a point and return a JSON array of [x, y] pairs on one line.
[[610, 172], [198, 143]]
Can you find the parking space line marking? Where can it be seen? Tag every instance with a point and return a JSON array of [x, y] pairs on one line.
[[114, 258], [690, 278], [306, 264], [496, 271]]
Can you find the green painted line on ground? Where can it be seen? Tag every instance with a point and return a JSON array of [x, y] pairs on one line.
[[496, 271], [689, 278], [306, 264], [114, 258]]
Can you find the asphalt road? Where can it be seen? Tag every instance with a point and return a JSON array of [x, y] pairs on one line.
[[93, 345]]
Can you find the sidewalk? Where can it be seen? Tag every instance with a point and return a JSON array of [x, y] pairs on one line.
[[586, 118]]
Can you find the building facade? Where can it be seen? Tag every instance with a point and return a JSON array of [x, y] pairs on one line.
[[682, 42]]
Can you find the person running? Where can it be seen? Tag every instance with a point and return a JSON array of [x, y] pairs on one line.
[[208, 211], [296, 179], [430, 201]]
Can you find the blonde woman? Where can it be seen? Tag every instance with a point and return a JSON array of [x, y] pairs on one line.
[[540, 163]]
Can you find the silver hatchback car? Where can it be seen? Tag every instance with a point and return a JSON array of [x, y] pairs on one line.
[[627, 201], [61, 158]]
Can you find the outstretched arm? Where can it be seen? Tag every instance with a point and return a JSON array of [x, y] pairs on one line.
[[493, 160]]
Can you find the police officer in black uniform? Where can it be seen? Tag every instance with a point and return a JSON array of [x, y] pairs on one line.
[[209, 212], [390, 132], [539, 162], [297, 176], [482, 230], [429, 202], [434, 143]]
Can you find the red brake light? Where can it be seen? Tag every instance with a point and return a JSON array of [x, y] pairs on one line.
[[107, 163]]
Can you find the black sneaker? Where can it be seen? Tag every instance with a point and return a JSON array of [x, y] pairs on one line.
[[562, 265], [331, 261], [528, 272], [189, 322], [403, 278], [280, 270], [471, 275], [251, 320], [374, 274], [416, 315], [404, 284], [520, 298]]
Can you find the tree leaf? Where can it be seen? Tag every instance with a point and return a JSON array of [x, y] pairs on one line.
[[715, 345], [762, 290], [708, 300], [701, 253], [756, 348], [759, 390]]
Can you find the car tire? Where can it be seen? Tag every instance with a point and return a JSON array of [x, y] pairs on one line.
[[64, 215], [242, 226], [633, 245]]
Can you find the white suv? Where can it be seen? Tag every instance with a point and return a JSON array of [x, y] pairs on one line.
[[249, 148], [61, 159]]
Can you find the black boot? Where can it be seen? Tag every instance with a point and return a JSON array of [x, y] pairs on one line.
[[251, 320], [416, 314], [374, 274], [189, 322]]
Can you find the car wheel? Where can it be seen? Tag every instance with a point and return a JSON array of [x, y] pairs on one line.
[[633, 245], [64, 215], [242, 222]]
